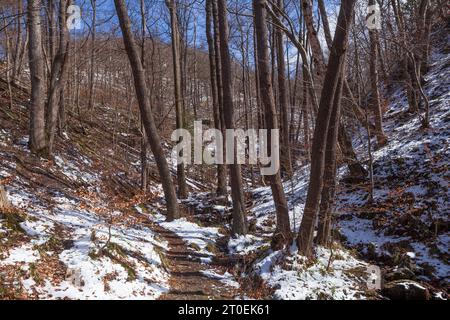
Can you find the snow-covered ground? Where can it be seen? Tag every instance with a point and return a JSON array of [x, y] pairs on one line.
[[414, 162], [411, 198], [197, 237], [341, 278], [70, 248]]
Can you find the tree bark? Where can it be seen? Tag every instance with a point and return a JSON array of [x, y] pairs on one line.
[[376, 106], [283, 231], [350, 158], [92, 56], [326, 25], [286, 162], [38, 142], [171, 5], [19, 43], [317, 57], [239, 226], [329, 185], [57, 78], [144, 142], [221, 170], [219, 73], [336, 60]]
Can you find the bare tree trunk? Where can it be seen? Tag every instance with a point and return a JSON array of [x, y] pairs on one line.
[[57, 78], [173, 211], [336, 60], [92, 57], [408, 72], [22, 54], [8, 62], [355, 167], [345, 143], [50, 8], [219, 75], [221, 170], [369, 151], [326, 25], [171, 5], [239, 215], [283, 231], [286, 162], [376, 107], [19, 42], [329, 179], [144, 142], [293, 100], [317, 57], [305, 114], [38, 141], [258, 90]]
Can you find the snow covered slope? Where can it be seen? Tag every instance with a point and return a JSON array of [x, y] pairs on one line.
[[64, 239], [407, 226], [405, 231]]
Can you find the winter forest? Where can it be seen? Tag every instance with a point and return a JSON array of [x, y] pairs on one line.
[[224, 149]]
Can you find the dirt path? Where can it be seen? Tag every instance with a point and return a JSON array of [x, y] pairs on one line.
[[185, 268]]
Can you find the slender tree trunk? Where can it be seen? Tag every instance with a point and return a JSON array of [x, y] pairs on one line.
[[144, 142], [51, 25], [171, 5], [19, 42], [317, 57], [258, 90], [326, 25], [219, 74], [336, 60], [57, 78], [239, 226], [293, 100], [286, 162], [408, 72], [376, 106], [22, 55], [305, 114], [329, 184], [221, 170], [283, 231], [38, 141], [92, 56], [8, 62], [345, 144], [173, 211]]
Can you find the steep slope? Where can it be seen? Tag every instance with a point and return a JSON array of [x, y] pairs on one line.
[[405, 231]]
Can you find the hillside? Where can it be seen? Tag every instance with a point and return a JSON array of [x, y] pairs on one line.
[[78, 227], [224, 150]]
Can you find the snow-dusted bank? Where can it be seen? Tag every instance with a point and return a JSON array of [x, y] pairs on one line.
[[68, 249]]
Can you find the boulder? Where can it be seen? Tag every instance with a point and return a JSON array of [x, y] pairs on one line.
[[405, 290], [399, 273]]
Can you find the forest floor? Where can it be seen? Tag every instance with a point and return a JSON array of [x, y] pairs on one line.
[[78, 227]]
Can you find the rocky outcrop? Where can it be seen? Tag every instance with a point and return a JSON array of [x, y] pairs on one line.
[[405, 290]]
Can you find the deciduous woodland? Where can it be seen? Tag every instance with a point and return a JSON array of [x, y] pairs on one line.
[[354, 96]]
